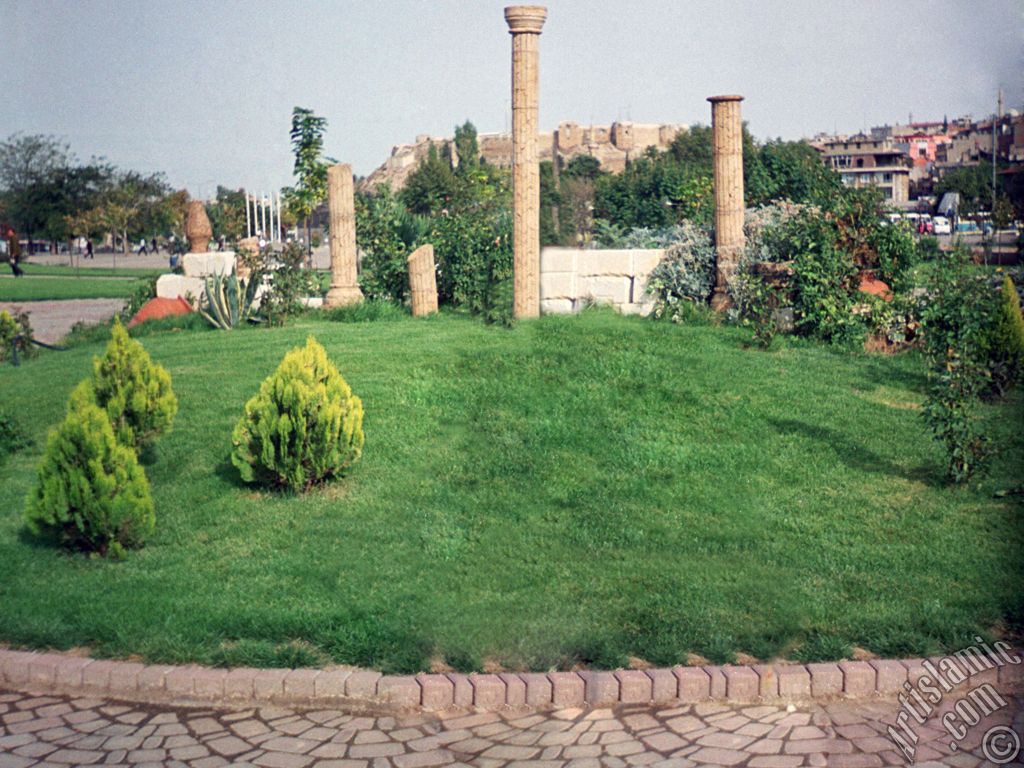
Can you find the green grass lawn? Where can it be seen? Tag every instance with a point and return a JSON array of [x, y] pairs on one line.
[[86, 271], [573, 490], [46, 288]]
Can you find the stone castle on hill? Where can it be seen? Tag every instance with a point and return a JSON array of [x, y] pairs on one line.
[[613, 145]]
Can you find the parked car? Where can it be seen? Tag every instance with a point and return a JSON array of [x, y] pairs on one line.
[[941, 226]]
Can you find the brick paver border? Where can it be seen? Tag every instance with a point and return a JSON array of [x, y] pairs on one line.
[[354, 688]]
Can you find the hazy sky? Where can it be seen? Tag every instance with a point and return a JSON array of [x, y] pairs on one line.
[[203, 89]]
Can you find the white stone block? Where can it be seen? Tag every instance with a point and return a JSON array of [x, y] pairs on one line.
[[557, 306], [558, 259], [172, 286], [557, 285], [604, 289], [209, 263], [619, 263], [644, 261], [312, 302]]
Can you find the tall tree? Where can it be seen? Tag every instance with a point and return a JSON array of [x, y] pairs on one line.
[[307, 136], [28, 166], [466, 146], [431, 187]]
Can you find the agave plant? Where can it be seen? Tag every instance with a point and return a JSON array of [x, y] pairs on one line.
[[228, 301]]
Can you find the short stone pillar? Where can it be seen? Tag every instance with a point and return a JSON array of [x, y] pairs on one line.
[[423, 281], [727, 151], [524, 24], [197, 228], [341, 207]]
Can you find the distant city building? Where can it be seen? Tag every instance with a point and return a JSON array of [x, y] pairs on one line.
[[863, 161]]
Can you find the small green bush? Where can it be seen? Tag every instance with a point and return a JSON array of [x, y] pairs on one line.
[[303, 427], [13, 437], [91, 491], [686, 273], [134, 391], [1006, 350], [15, 331]]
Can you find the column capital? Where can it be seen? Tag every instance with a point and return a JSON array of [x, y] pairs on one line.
[[525, 19], [730, 97]]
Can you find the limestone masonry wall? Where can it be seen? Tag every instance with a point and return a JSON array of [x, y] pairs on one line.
[[569, 277], [613, 145]]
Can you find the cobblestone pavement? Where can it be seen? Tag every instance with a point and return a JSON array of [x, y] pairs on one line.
[[58, 731], [51, 320]]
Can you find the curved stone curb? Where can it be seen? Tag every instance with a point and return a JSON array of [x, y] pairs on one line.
[[130, 681]]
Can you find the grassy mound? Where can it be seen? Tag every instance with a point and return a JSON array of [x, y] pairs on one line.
[[573, 490]]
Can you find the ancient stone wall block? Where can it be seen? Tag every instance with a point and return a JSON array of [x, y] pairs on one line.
[[557, 285], [173, 286], [553, 259], [569, 136], [605, 262], [209, 263], [645, 260], [604, 289], [622, 136], [558, 306]]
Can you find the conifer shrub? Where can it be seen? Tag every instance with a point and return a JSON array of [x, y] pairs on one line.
[[134, 391], [90, 491], [1006, 353], [303, 427]]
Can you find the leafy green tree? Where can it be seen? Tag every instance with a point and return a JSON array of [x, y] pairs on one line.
[[1004, 212], [958, 320], [694, 200], [583, 167], [973, 182], [466, 146], [550, 200], [227, 213], [135, 205], [431, 187], [307, 137], [791, 170], [29, 166], [385, 233]]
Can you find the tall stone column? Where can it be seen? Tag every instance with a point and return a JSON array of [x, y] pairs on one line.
[[727, 149], [341, 206], [524, 24]]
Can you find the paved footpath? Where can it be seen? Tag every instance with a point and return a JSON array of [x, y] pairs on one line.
[[51, 320], [59, 731]]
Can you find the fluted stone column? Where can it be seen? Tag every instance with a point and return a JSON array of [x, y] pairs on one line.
[[341, 206], [727, 148], [423, 281], [524, 24]]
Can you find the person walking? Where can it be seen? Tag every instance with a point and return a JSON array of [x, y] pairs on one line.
[[155, 248], [88, 249], [14, 252]]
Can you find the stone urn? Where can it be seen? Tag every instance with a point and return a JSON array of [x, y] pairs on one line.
[[197, 228]]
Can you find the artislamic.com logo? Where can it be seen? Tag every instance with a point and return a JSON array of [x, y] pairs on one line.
[[918, 702]]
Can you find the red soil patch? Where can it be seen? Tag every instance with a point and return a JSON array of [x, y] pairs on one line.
[[154, 309], [871, 284]]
